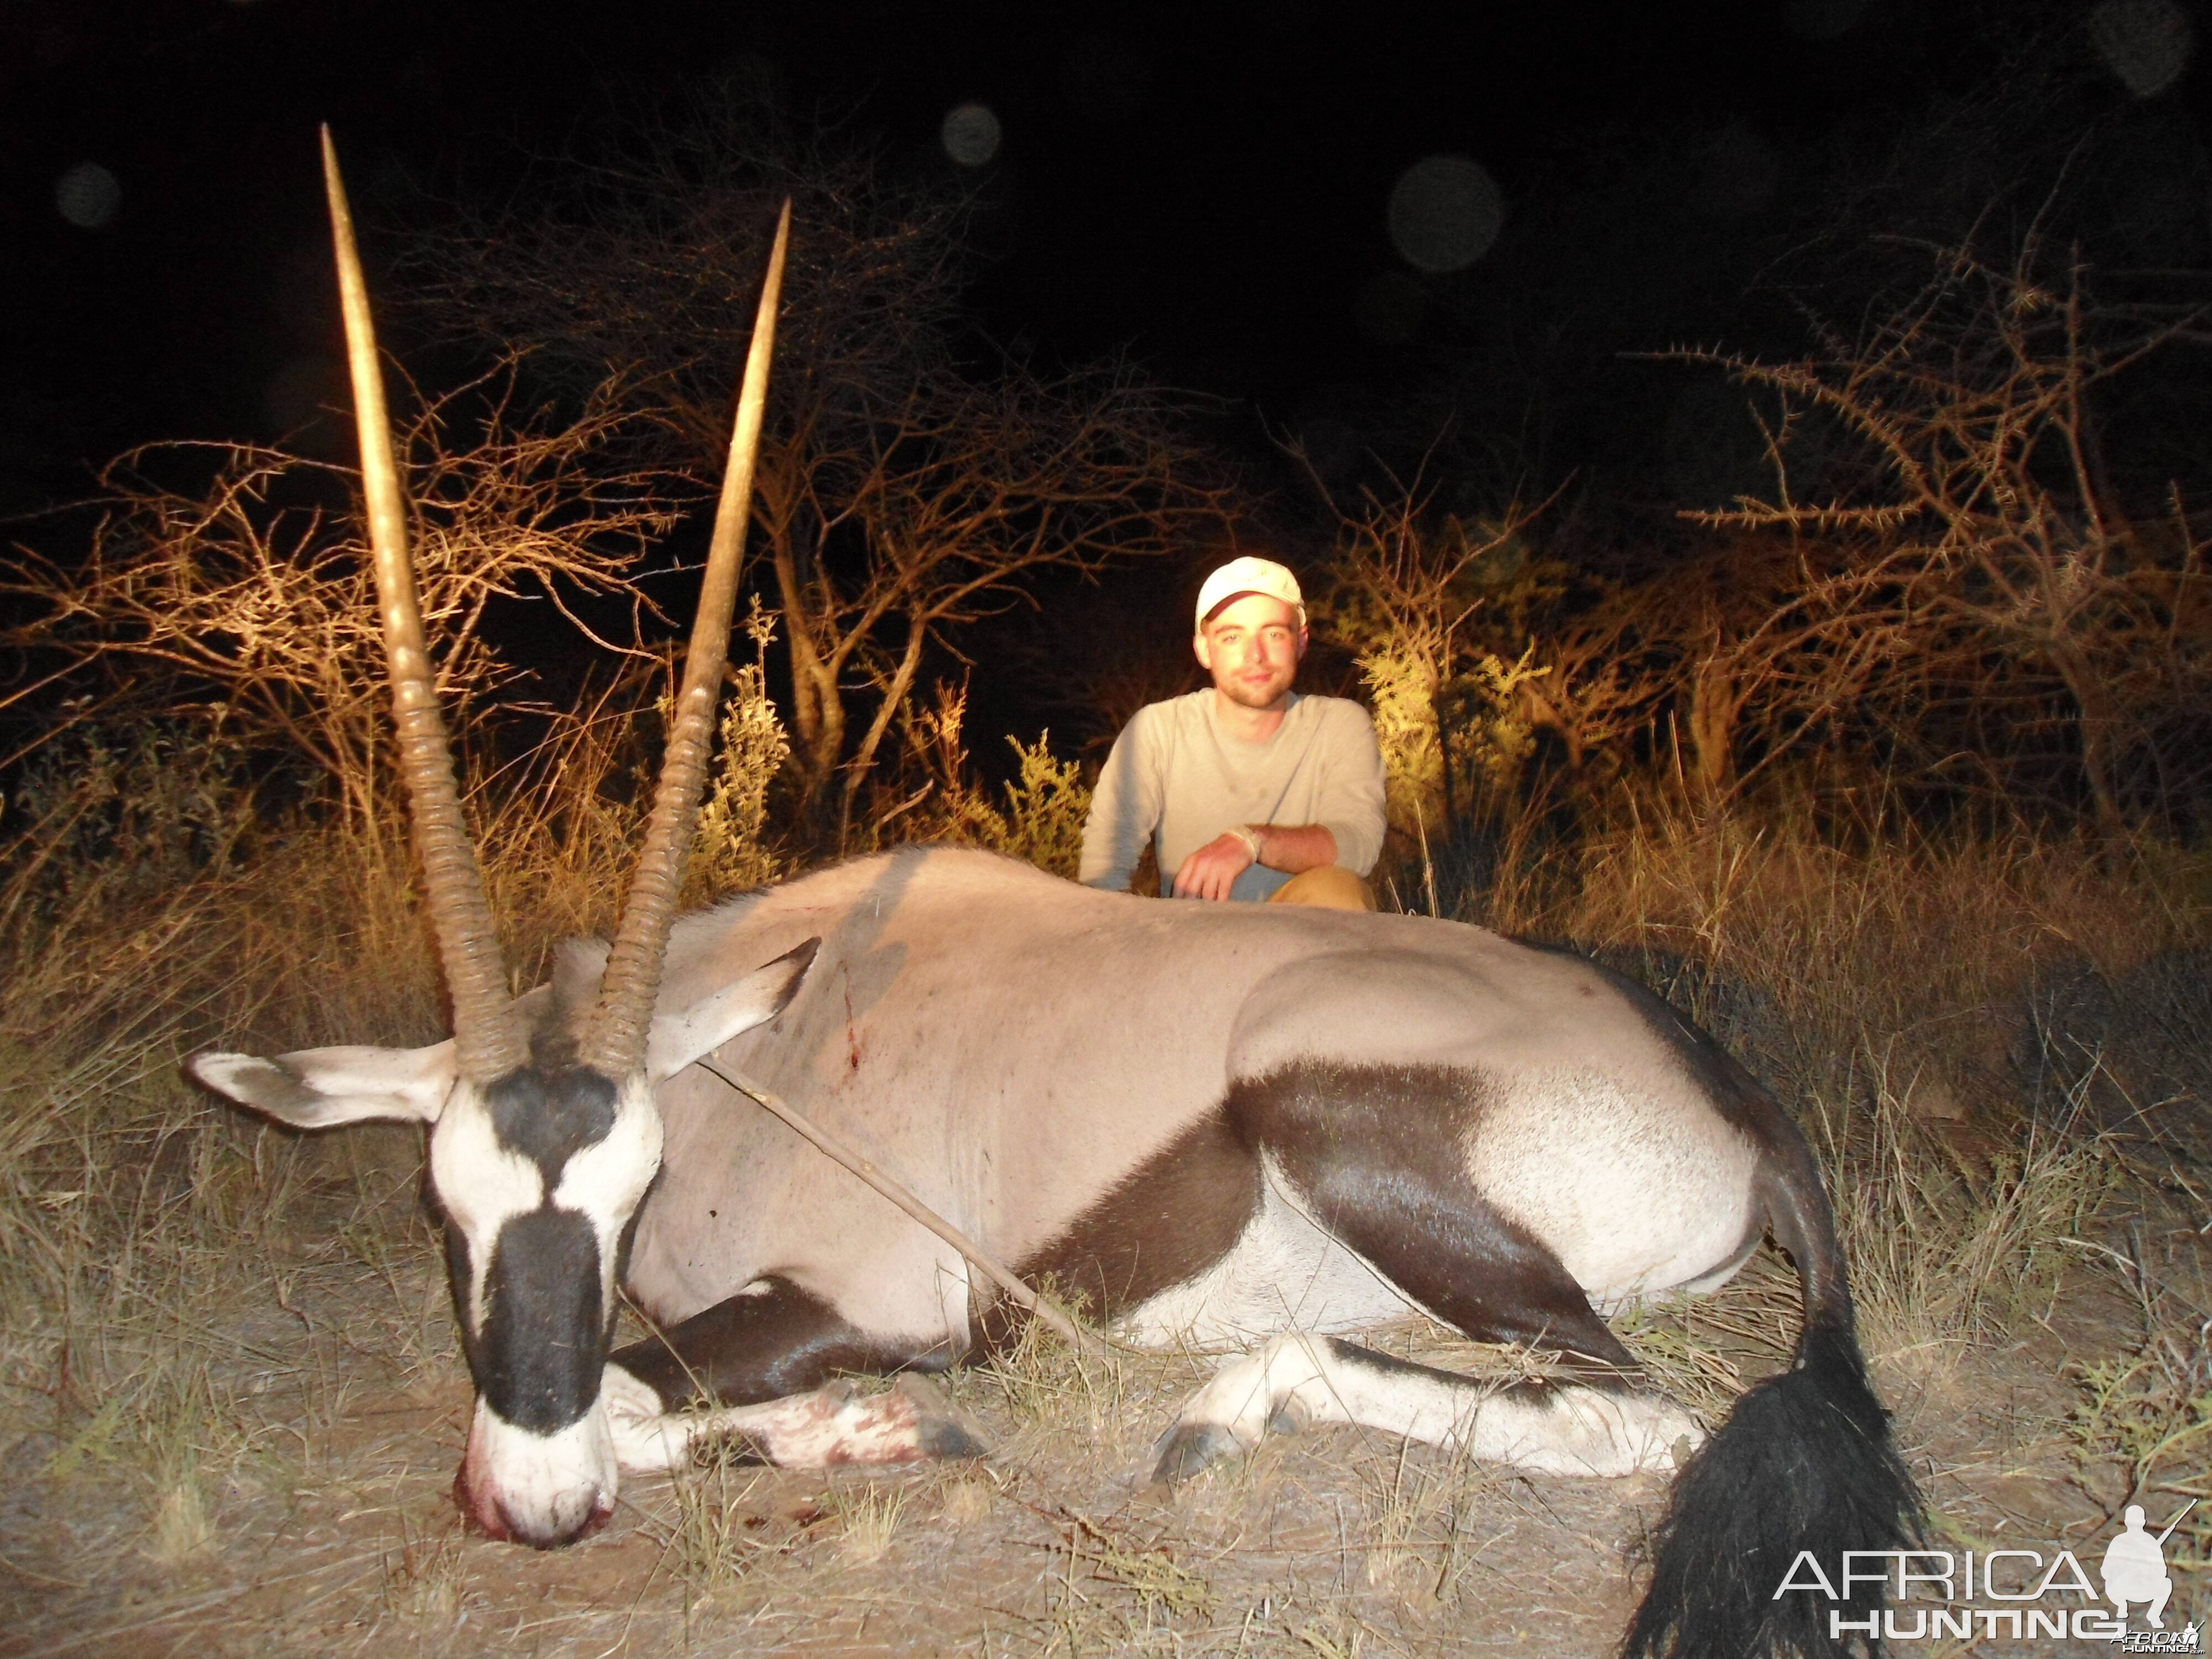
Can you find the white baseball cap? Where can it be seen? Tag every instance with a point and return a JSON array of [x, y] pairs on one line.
[[1245, 576]]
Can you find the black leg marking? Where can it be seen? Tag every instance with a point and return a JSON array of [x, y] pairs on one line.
[[779, 1341], [1172, 1217], [1537, 1393], [1388, 1365], [1377, 1151], [1560, 1425]]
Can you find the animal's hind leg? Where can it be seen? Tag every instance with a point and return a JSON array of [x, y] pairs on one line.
[[1297, 1379], [1376, 1156], [763, 1364]]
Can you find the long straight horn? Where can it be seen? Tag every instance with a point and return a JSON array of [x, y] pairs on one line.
[[614, 1045], [486, 1033]]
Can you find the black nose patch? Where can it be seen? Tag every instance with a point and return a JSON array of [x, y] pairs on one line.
[[538, 1360]]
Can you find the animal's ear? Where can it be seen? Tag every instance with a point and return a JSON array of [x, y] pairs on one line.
[[322, 1088], [680, 1038]]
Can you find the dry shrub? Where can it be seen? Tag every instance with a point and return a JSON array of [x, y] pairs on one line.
[[137, 1221], [1972, 575], [1875, 943], [1433, 610], [1039, 818], [729, 854], [1042, 822], [1945, 1251], [2141, 1425], [250, 590]]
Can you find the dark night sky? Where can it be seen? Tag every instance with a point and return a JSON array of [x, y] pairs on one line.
[[1205, 185]]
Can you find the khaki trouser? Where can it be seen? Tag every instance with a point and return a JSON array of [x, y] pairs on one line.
[[1332, 887]]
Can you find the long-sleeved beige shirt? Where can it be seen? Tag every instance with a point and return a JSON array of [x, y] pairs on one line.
[[1175, 775]]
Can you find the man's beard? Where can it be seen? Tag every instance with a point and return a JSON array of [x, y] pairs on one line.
[[1257, 696]]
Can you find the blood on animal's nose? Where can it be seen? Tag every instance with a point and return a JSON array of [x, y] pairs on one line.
[[486, 1518], [483, 1513]]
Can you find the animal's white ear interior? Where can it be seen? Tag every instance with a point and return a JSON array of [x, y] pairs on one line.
[[322, 1088], [679, 1039]]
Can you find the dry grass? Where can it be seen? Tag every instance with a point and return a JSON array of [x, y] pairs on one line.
[[232, 1391]]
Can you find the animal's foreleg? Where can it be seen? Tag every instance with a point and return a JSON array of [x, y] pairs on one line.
[[762, 1368], [828, 1426]]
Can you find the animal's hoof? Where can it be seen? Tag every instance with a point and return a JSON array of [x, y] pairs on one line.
[[944, 1429], [1188, 1448]]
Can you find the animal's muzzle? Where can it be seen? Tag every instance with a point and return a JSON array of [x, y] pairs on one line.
[[542, 1490], [483, 1513]]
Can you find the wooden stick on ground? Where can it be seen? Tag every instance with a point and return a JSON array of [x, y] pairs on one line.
[[1043, 1308]]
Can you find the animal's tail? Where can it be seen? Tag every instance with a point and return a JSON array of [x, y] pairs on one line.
[[1804, 1463]]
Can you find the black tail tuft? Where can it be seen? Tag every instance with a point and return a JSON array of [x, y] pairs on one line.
[[1805, 1462]]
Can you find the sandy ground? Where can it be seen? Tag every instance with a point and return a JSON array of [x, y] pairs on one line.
[[329, 1528]]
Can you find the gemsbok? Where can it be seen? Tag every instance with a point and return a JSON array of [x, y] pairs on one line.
[[1241, 1127]]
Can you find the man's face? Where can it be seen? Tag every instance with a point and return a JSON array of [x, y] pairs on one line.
[[1252, 646]]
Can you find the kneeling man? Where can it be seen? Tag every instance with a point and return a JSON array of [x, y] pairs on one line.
[[1248, 790]]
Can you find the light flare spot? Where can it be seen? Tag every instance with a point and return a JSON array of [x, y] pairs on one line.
[[1445, 212], [2146, 43], [970, 134], [88, 196]]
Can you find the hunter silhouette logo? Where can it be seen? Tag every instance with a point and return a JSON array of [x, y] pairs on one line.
[[2026, 1590], [2134, 1569]]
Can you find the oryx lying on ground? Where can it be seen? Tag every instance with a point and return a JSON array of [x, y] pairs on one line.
[[1235, 1126]]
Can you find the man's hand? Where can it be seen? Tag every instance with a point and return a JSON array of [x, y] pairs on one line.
[[1211, 871]]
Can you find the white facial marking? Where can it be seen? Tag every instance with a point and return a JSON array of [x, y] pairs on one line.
[[483, 1185], [605, 1181]]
